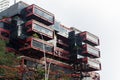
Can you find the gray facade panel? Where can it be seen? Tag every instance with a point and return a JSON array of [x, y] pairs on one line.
[[13, 10]]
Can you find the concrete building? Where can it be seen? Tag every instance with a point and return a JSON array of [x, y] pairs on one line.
[[64, 53], [4, 4]]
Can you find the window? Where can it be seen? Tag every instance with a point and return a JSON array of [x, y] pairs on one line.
[[37, 44], [56, 26], [92, 50], [92, 38], [94, 64], [63, 31], [42, 29], [43, 14], [48, 48], [41, 46]]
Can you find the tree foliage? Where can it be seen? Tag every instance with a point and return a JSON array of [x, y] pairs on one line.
[[7, 62]]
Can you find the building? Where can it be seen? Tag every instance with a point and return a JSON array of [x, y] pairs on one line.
[[64, 53], [4, 4]]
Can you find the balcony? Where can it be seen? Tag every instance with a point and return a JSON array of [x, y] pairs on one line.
[[89, 38], [39, 14], [59, 52], [89, 64], [36, 46], [30, 62], [39, 28], [4, 34], [58, 63], [90, 51], [63, 31], [60, 42]]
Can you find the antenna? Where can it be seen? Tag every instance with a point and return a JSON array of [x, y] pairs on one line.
[[14, 1]]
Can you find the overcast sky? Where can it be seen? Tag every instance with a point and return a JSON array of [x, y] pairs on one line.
[[101, 17]]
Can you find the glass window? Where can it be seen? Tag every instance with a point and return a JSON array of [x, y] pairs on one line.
[[92, 38], [63, 31], [41, 46], [43, 14], [38, 12], [48, 17], [37, 44], [42, 29], [56, 26], [1, 25], [94, 64], [48, 48], [92, 50]]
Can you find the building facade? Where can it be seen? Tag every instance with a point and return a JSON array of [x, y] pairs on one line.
[[42, 42], [4, 4]]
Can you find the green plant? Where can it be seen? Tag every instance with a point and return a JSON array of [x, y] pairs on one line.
[[35, 35], [7, 61]]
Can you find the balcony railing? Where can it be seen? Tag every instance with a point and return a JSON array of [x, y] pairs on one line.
[[34, 26], [89, 38], [40, 14], [37, 45], [90, 51], [4, 34]]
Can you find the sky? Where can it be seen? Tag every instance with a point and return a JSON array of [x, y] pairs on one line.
[[100, 17]]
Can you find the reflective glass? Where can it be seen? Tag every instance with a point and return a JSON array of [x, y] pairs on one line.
[[92, 38], [41, 46], [92, 50], [63, 31], [43, 14], [42, 29], [94, 64], [48, 48], [1, 25], [56, 26]]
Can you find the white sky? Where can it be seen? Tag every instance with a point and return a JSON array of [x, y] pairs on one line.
[[101, 17]]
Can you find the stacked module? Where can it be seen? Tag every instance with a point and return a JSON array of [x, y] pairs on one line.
[[33, 33]]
